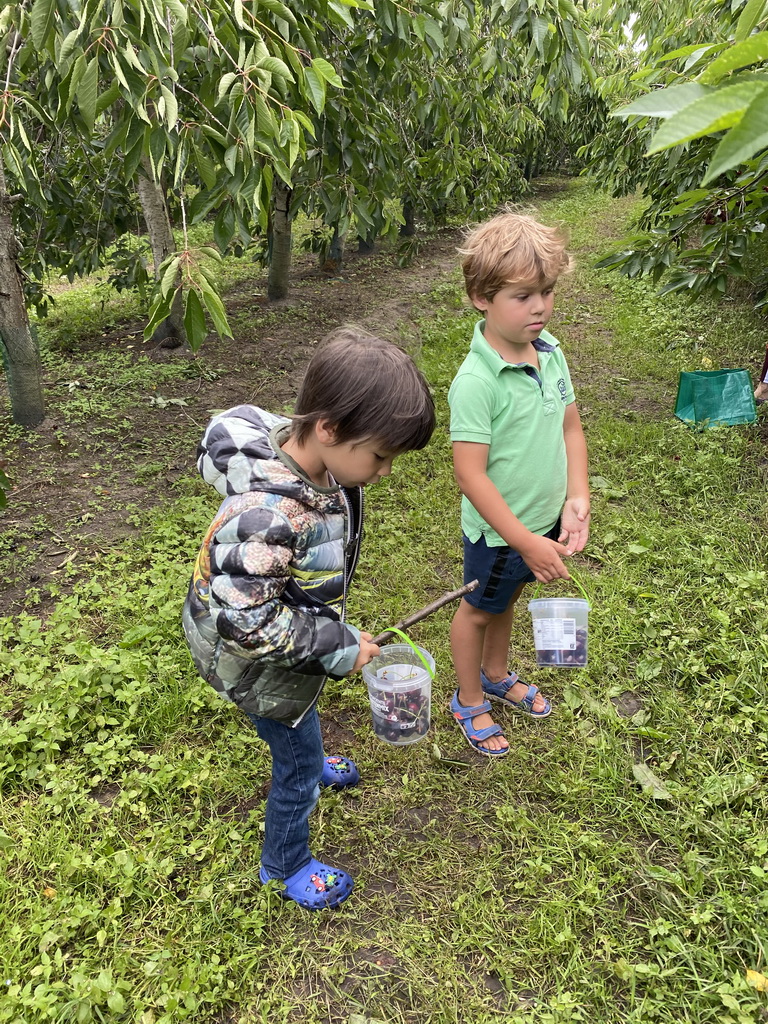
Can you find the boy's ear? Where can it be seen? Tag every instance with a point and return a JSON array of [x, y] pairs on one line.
[[325, 432], [479, 302]]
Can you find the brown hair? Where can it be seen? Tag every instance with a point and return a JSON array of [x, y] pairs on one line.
[[511, 248], [365, 387]]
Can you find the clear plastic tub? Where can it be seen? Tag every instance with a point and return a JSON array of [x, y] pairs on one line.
[[560, 631], [400, 692]]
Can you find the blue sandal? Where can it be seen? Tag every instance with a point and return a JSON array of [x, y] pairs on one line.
[[473, 736], [339, 771], [316, 886], [498, 691]]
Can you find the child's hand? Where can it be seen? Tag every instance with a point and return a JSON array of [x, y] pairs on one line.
[[544, 557], [368, 652], [575, 524]]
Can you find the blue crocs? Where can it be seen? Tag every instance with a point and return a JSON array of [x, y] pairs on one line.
[[316, 886], [339, 771], [475, 737], [498, 691]]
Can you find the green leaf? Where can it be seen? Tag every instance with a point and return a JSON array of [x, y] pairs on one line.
[[743, 141], [279, 9], [87, 92], [205, 167], [195, 326], [171, 106], [714, 113], [342, 14], [435, 33], [41, 21], [67, 48], [108, 98], [278, 67], [741, 55], [170, 273], [230, 159], [115, 1002], [136, 634], [490, 58], [540, 31], [650, 784], [225, 83], [327, 71], [215, 307], [158, 311], [315, 88], [687, 51], [664, 102], [751, 16]]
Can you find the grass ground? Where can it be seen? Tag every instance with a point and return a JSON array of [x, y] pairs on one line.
[[612, 869]]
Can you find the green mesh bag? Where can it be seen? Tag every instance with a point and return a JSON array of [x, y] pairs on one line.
[[715, 398]]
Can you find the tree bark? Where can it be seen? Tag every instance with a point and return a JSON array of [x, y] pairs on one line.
[[408, 227], [18, 348], [170, 333], [334, 259], [422, 613], [280, 241], [366, 244]]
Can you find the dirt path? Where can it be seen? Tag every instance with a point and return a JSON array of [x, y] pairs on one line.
[[76, 486]]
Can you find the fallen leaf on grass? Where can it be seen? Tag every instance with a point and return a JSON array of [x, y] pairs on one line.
[[439, 756], [70, 557], [757, 980], [49, 891], [650, 784]]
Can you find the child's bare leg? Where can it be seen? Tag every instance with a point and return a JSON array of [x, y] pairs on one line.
[[468, 631], [495, 653]]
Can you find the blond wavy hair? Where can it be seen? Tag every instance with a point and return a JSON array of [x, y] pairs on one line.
[[512, 248]]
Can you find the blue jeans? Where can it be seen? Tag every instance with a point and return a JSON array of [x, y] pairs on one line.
[[297, 765]]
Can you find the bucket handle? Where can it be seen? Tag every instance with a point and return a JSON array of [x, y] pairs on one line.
[[412, 645], [581, 589]]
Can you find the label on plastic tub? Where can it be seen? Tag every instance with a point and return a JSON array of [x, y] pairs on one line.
[[554, 634], [379, 706]]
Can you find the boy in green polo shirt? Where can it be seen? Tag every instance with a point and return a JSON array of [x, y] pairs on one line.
[[520, 460]]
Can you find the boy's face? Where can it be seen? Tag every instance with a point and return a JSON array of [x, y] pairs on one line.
[[356, 463], [517, 313]]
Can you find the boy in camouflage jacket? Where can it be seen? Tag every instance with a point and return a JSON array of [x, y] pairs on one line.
[[264, 616]]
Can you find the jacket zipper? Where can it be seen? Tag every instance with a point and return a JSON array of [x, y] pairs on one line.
[[350, 555], [350, 561]]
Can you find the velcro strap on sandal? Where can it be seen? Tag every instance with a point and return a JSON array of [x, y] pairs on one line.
[[461, 713]]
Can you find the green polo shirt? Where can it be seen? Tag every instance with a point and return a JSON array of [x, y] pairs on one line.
[[518, 412]]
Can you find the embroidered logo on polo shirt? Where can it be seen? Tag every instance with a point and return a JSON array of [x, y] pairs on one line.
[[561, 387]]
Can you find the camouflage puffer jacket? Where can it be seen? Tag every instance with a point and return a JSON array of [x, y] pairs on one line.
[[263, 616]]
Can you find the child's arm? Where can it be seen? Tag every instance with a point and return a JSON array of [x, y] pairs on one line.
[[250, 557], [575, 515], [542, 556]]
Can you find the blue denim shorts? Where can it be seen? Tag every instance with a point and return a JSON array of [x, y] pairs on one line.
[[500, 571]]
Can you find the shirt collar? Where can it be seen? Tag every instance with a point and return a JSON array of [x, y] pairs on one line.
[[544, 343]]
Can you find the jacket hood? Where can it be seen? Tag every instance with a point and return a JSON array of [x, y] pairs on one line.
[[237, 455]]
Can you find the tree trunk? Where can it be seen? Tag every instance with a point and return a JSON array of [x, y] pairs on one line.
[[20, 354], [280, 241], [334, 259], [366, 244], [408, 227], [170, 333]]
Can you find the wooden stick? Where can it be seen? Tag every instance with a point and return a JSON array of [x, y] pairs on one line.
[[428, 609]]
